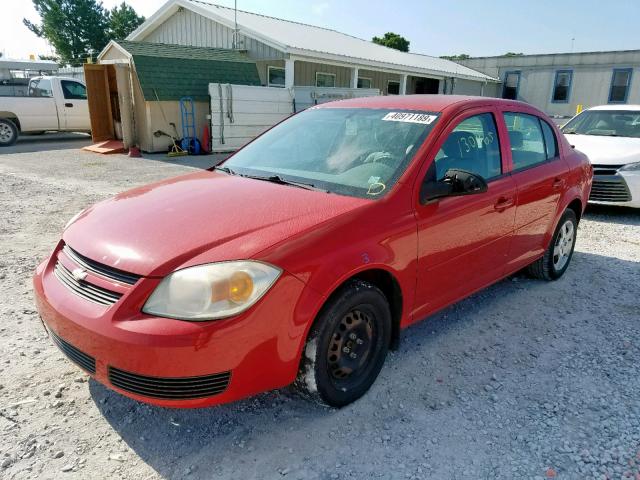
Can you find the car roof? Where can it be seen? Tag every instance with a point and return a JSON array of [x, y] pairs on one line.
[[427, 103], [631, 108]]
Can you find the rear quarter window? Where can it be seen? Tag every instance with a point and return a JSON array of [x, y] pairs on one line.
[[550, 141]]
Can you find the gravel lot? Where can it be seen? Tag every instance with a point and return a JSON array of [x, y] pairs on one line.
[[526, 379]]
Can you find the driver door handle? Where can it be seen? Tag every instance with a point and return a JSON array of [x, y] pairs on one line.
[[503, 203], [68, 105]]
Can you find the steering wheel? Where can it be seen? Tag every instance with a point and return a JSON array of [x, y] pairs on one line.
[[383, 157]]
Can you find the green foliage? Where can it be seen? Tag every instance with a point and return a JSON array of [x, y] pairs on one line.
[[123, 20], [513, 54], [393, 40], [78, 29], [460, 56], [53, 58]]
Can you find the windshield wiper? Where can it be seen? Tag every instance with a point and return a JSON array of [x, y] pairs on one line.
[[281, 181], [226, 170]]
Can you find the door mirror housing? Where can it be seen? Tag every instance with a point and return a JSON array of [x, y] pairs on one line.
[[455, 183]]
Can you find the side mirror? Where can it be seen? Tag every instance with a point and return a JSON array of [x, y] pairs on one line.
[[455, 183]]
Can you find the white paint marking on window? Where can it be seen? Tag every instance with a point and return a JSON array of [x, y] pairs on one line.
[[423, 118]]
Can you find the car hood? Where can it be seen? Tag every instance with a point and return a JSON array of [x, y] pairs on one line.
[[603, 150], [157, 228]]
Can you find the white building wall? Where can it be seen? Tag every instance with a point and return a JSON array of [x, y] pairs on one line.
[[590, 85], [188, 28], [468, 87]]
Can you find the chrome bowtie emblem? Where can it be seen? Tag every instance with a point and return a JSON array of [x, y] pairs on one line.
[[79, 274]]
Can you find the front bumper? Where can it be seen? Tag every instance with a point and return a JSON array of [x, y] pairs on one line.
[[621, 189], [237, 357]]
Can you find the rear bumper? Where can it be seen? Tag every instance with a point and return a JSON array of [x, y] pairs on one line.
[[132, 352], [622, 189]]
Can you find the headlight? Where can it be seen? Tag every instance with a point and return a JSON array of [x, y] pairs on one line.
[[208, 292], [634, 167]]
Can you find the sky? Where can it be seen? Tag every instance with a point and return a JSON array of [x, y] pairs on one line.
[[434, 27]]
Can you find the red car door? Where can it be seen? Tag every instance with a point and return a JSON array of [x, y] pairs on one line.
[[463, 241], [540, 174]]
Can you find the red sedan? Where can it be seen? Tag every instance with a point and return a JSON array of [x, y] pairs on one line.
[[302, 256]]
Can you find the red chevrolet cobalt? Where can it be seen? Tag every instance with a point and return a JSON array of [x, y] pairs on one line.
[[301, 257]]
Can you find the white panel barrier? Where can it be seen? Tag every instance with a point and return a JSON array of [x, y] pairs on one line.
[[239, 113]]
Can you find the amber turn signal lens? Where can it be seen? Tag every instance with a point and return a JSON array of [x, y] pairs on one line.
[[240, 287]]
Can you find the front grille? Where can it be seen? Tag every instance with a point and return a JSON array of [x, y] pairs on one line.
[[605, 169], [609, 188], [86, 290], [84, 361], [99, 268], [180, 388]]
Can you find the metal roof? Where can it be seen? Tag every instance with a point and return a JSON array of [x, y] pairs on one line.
[[320, 43], [20, 64], [169, 72]]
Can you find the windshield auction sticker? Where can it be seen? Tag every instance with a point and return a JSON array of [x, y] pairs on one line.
[[424, 118]]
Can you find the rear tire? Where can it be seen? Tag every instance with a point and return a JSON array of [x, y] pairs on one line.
[[347, 346], [8, 132], [557, 256]]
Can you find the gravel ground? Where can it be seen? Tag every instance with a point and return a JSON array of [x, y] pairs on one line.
[[524, 380]]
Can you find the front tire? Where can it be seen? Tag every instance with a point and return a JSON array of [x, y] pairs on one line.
[[557, 257], [8, 132], [347, 346]]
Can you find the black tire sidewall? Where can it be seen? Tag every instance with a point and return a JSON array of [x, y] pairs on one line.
[[375, 304], [13, 127], [567, 215]]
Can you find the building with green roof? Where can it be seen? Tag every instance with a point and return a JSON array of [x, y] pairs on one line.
[[134, 91]]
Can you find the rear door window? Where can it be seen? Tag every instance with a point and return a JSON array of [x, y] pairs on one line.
[[526, 138]]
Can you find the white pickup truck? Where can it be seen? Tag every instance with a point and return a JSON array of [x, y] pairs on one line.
[[51, 104]]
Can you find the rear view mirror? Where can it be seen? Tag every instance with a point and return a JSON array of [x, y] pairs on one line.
[[456, 182]]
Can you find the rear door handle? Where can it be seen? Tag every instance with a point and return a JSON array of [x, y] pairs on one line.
[[503, 203], [69, 105], [558, 183]]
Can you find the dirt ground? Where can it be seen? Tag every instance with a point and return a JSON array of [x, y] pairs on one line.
[[525, 380]]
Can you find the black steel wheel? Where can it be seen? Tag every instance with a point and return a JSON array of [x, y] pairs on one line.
[[347, 345]]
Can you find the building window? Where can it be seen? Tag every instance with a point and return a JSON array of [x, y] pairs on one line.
[[364, 82], [325, 79], [276, 76], [620, 83], [562, 86], [511, 85], [393, 87]]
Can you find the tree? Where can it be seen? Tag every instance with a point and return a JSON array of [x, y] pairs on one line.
[[513, 54], [78, 29], [460, 56], [393, 40], [123, 20], [75, 28], [53, 58]]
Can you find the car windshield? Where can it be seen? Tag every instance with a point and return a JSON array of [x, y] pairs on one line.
[[355, 152], [608, 123]]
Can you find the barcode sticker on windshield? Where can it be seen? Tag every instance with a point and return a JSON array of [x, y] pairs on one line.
[[424, 118]]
